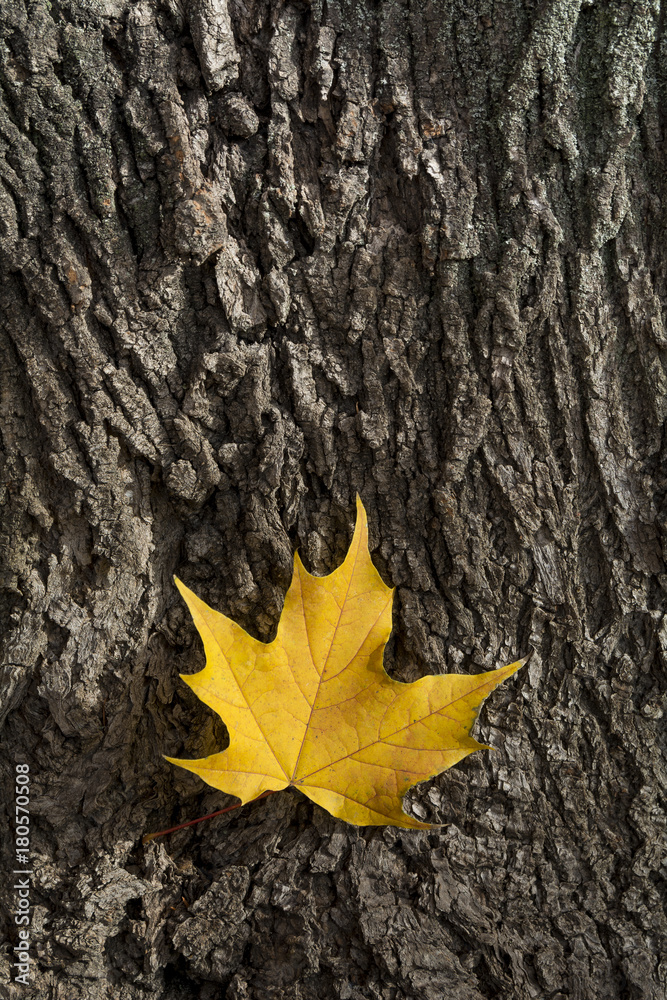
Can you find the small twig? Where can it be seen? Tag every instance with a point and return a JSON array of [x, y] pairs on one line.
[[181, 826]]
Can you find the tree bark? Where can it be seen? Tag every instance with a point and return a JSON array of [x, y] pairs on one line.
[[258, 256]]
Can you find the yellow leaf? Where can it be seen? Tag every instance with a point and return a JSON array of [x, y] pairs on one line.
[[315, 708]]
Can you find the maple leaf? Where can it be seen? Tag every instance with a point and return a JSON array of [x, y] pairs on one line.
[[315, 709]]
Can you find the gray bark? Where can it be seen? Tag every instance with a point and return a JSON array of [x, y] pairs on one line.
[[258, 256]]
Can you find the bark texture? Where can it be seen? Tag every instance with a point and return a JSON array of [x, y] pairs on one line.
[[258, 256]]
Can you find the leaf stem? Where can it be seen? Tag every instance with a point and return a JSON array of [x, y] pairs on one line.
[[151, 836]]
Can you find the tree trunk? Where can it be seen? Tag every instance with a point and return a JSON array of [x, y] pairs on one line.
[[258, 256]]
